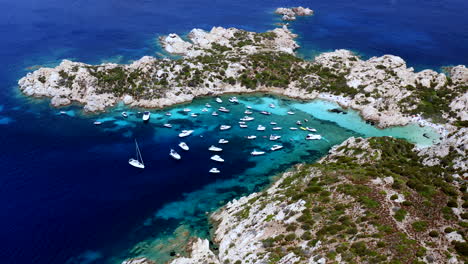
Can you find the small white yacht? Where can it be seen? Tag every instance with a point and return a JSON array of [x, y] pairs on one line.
[[272, 105], [174, 154], [168, 114], [215, 149], [214, 114], [311, 129], [293, 128], [63, 112], [272, 123], [187, 110], [243, 125], [242, 122], [208, 105], [265, 113], [249, 107], [298, 122], [224, 109], [184, 146], [97, 123], [277, 128], [313, 137], [193, 115], [146, 116], [233, 100], [218, 100], [247, 112], [185, 133], [214, 170], [274, 137], [251, 137], [276, 147], [261, 128], [223, 141], [224, 127], [257, 153], [204, 110], [217, 158], [247, 118], [124, 114], [167, 125], [138, 162], [291, 113]]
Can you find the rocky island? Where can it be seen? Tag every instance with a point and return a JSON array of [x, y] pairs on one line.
[[375, 200]]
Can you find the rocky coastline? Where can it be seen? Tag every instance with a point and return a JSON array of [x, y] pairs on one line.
[[371, 200]]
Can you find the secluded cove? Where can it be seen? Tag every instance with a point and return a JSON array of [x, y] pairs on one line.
[[189, 190]]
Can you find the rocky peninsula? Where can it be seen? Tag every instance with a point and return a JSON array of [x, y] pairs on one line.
[[376, 200]]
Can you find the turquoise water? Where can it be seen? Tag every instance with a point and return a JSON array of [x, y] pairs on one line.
[[187, 216]]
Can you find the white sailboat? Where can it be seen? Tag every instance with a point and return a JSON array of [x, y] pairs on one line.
[[138, 162], [174, 154], [184, 146]]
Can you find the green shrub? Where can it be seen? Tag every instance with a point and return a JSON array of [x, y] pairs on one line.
[[419, 226]]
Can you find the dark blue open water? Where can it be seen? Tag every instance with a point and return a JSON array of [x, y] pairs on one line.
[[66, 192]]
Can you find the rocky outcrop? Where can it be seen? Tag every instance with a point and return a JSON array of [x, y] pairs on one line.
[[289, 14], [199, 253]]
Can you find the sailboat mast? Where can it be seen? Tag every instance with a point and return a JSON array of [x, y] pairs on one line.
[[139, 157]]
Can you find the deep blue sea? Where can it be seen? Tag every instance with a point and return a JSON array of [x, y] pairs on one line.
[[67, 194]]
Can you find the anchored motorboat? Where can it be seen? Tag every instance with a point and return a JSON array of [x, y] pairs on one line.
[[265, 113], [311, 129], [167, 125], [293, 128], [185, 133], [187, 110], [214, 170], [233, 100], [174, 154], [97, 123], [124, 114], [183, 146], [313, 137], [291, 113], [208, 105], [277, 128], [224, 127], [249, 107], [247, 112], [273, 123], [217, 158], [214, 114], [218, 100], [193, 115], [224, 109], [215, 149], [276, 147], [251, 137], [298, 122], [146, 116], [274, 137], [168, 114], [257, 153], [138, 162], [223, 141], [261, 128], [243, 125], [204, 110], [247, 118], [272, 105]]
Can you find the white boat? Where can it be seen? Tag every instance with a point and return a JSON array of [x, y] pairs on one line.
[[311, 129], [247, 112], [215, 149], [168, 114], [174, 154], [124, 114], [208, 105], [214, 170], [185, 133], [293, 128], [261, 128], [193, 115], [272, 105], [313, 137], [167, 125], [214, 114], [276, 147], [63, 112], [218, 100], [247, 118], [224, 127], [187, 110], [224, 109], [217, 158], [274, 137], [251, 137], [291, 113], [146, 116], [223, 141], [249, 107], [273, 123], [298, 122], [243, 125], [242, 122], [265, 113], [257, 153], [138, 162], [204, 110], [233, 100], [277, 128], [97, 123], [183, 146]]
